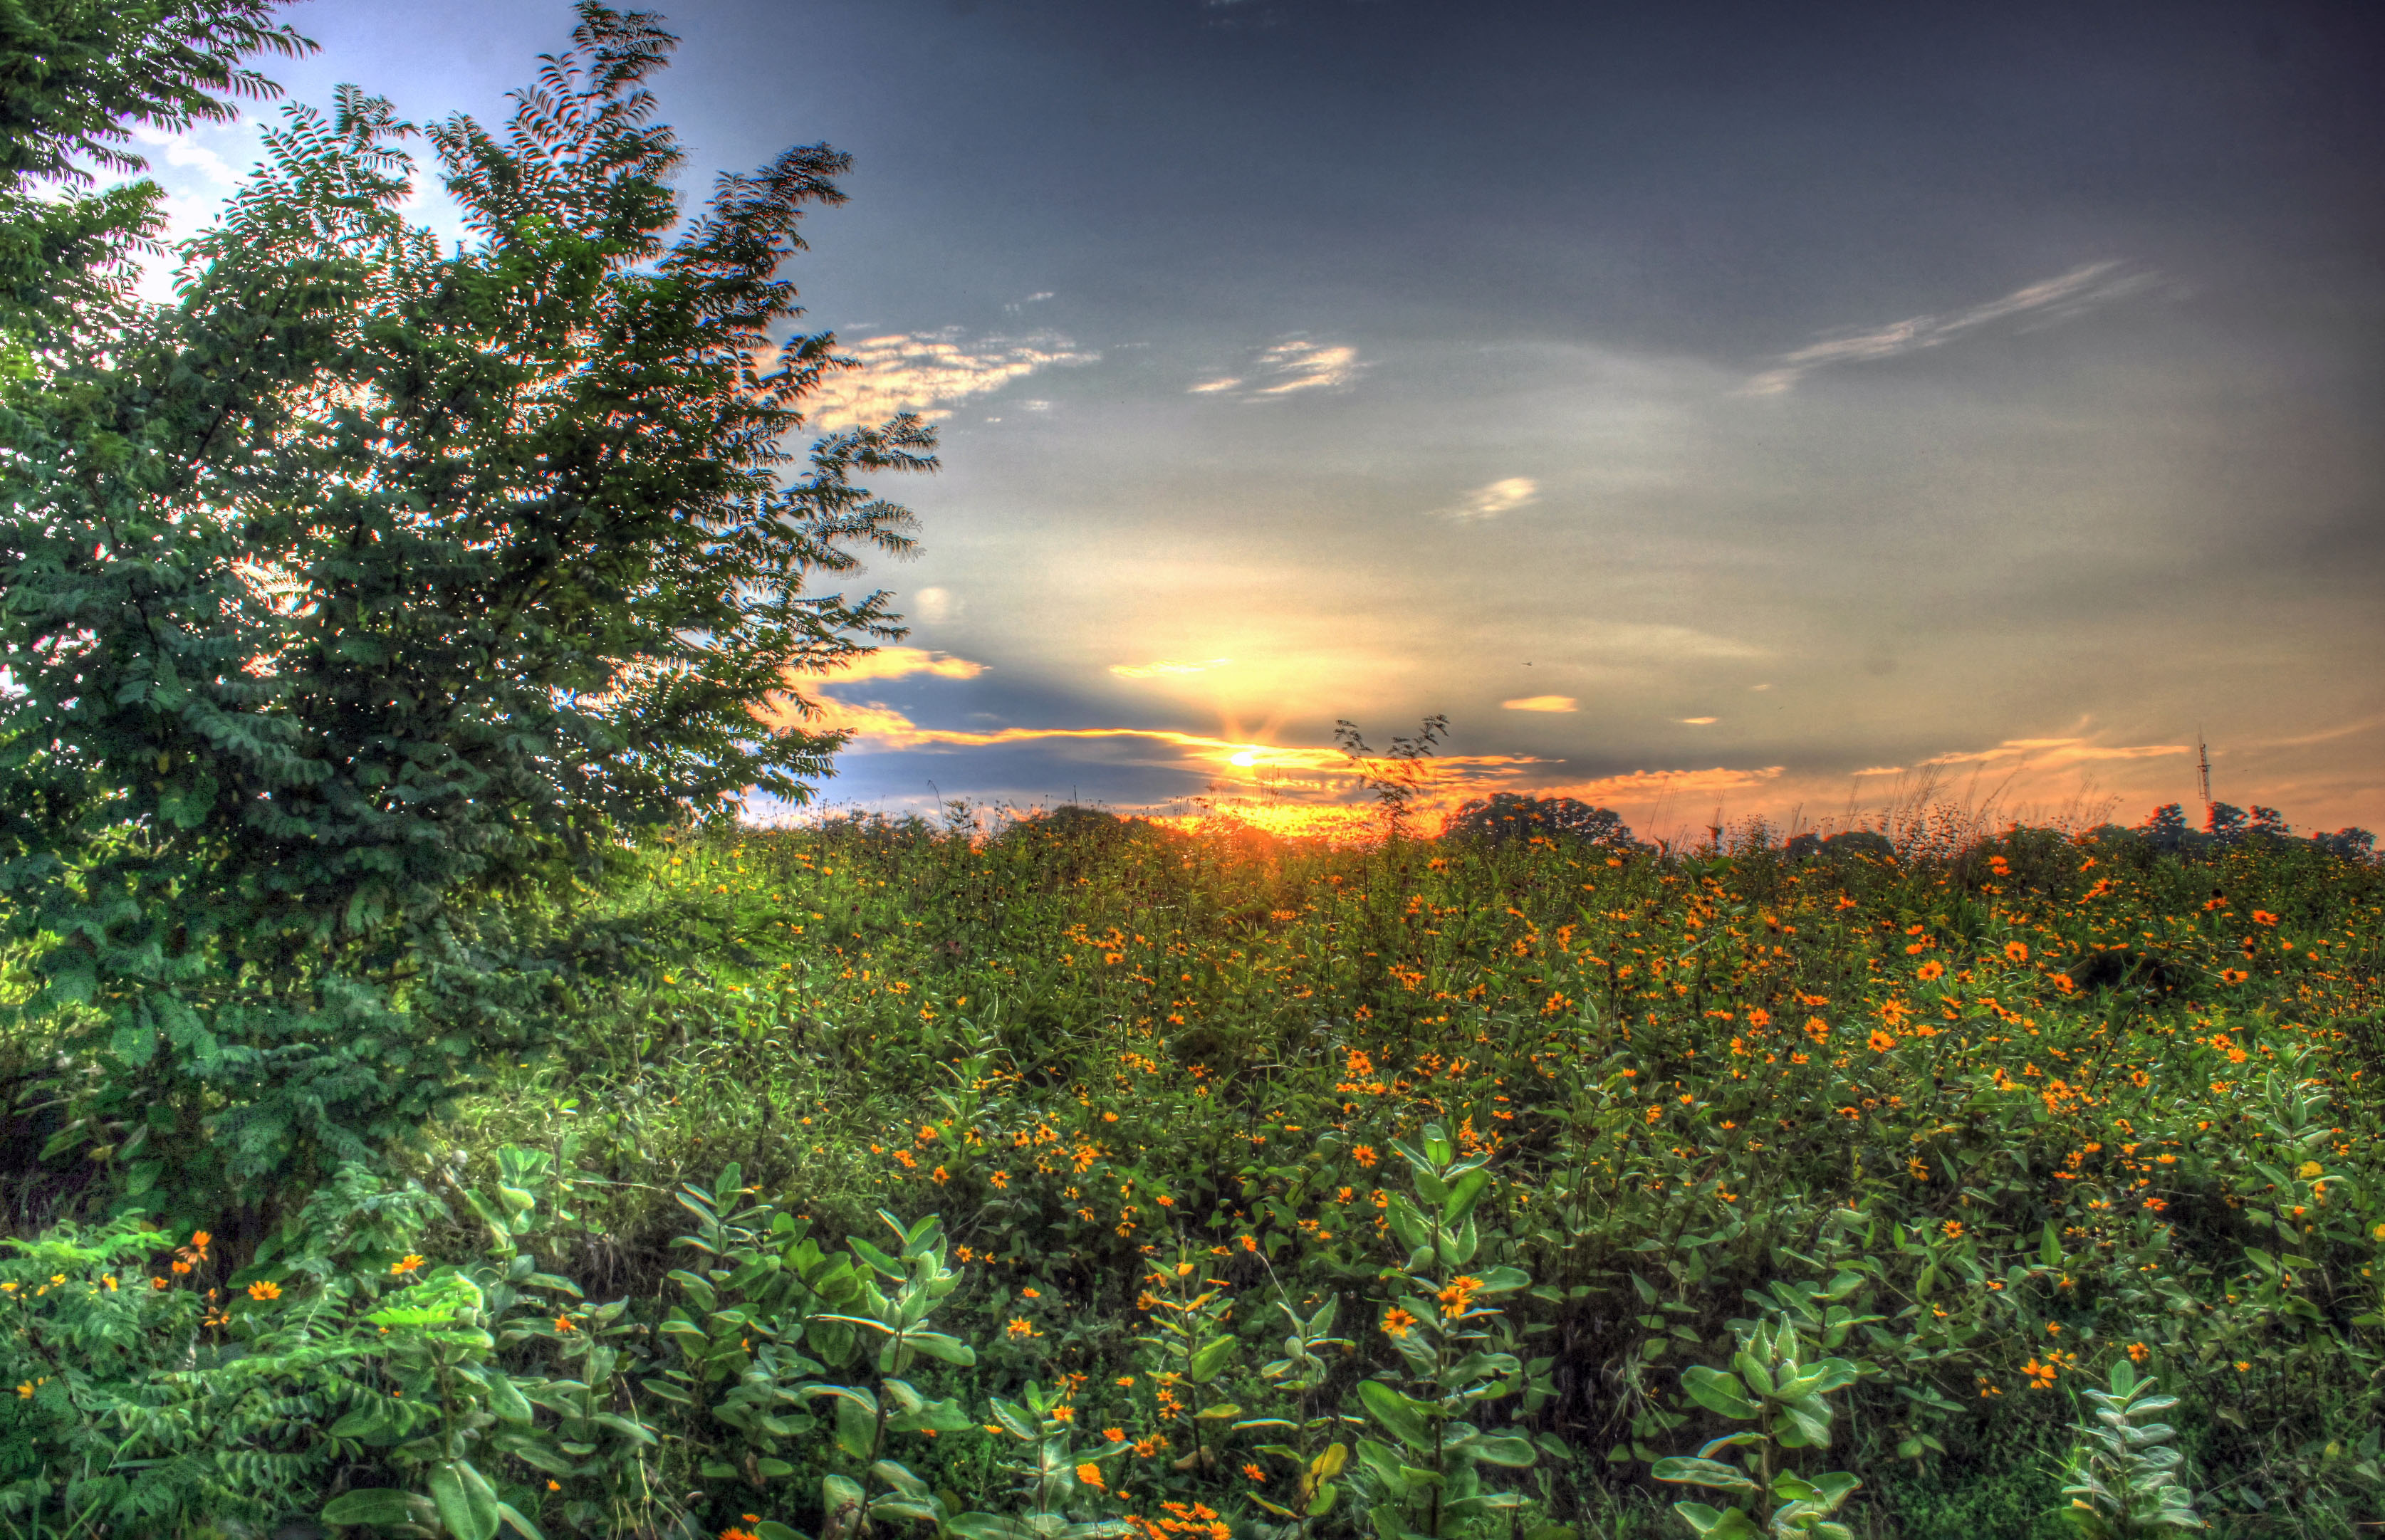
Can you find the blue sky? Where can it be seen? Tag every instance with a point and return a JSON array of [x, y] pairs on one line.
[[1758, 408]]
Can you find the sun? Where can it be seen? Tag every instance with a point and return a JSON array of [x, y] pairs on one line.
[[1247, 758]]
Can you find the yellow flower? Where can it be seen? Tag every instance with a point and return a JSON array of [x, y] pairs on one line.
[[2310, 1171], [264, 1290], [1397, 1322], [407, 1263], [1020, 1326], [1091, 1476]]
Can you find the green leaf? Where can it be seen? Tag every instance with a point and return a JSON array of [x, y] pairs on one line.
[[1395, 1412], [380, 1505], [465, 1502], [1703, 1472], [946, 1348], [1500, 1449], [1210, 1358], [1719, 1390], [518, 1522], [1709, 1525]]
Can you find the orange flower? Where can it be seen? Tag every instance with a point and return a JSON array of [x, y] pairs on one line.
[[2015, 951], [2263, 917], [2041, 1375], [199, 1238], [2233, 975], [1933, 969], [1363, 1155], [1254, 1473], [1954, 1229], [1458, 1297], [1397, 1322], [1880, 1041], [1020, 1326], [407, 1263], [264, 1290], [563, 1323], [2137, 1352], [1091, 1476]]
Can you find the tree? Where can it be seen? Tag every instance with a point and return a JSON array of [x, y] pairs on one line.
[[1507, 816], [372, 584]]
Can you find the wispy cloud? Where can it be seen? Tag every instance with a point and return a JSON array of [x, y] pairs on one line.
[[1539, 703], [1164, 667], [1294, 364], [2042, 753], [2072, 293], [930, 372], [1697, 721], [1500, 497]]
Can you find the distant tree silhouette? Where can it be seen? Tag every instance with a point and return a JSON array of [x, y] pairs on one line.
[[2165, 829], [2225, 820], [2269, 821], [1509, 815]]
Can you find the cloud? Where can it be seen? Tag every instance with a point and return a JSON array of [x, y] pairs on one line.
[[927, 372], [1499, 497], [2042, 753], [1650, 784], [1882, 770], [1539, 703], [901, 663], [2072, 293], [1296, 364], [936, 605], [1697, 721], [1166, 667]]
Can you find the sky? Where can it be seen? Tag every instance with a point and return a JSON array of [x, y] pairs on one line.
[[1714, 410]]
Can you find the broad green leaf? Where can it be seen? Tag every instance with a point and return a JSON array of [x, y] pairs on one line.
[[1719, 1390], [380, 1505], [1395, 1412], [1703, 1472]]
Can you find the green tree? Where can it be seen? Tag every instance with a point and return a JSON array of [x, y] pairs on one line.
[[373, 585]]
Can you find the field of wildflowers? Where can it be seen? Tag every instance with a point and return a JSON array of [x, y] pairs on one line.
[[1989, 1120], [1102, 1179]]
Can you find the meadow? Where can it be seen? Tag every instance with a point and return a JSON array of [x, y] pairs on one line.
[[1247, 1186]]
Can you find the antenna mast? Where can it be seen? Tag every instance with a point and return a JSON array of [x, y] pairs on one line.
[[2202, 769]]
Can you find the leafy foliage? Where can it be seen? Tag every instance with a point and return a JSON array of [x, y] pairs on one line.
[[374, 584], [1511, 815], [2123, 1471]]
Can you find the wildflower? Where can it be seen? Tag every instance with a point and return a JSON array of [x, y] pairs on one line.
[[1365, 1155], [1091, 1476], [199, 1240], [1458, 1297], [2233, 975], [1020, 1326], [1064, 1412], [1116, 1435], [2243, 1366], [2041, 1375], [1817, 1029], [1933, 969], [2138, 1352], [1397, 1322], [263, 1289], [407, 1263], [563, 1323], [1125, 1382], [154, 1283], [1254, 1473], [2263, 917], [1880, 1041], [1032, 1293], [2015, 951]]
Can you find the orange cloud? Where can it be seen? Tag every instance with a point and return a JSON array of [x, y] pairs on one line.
[[1539, 703], [1166, 667], [899, 662], [2041, 753]]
